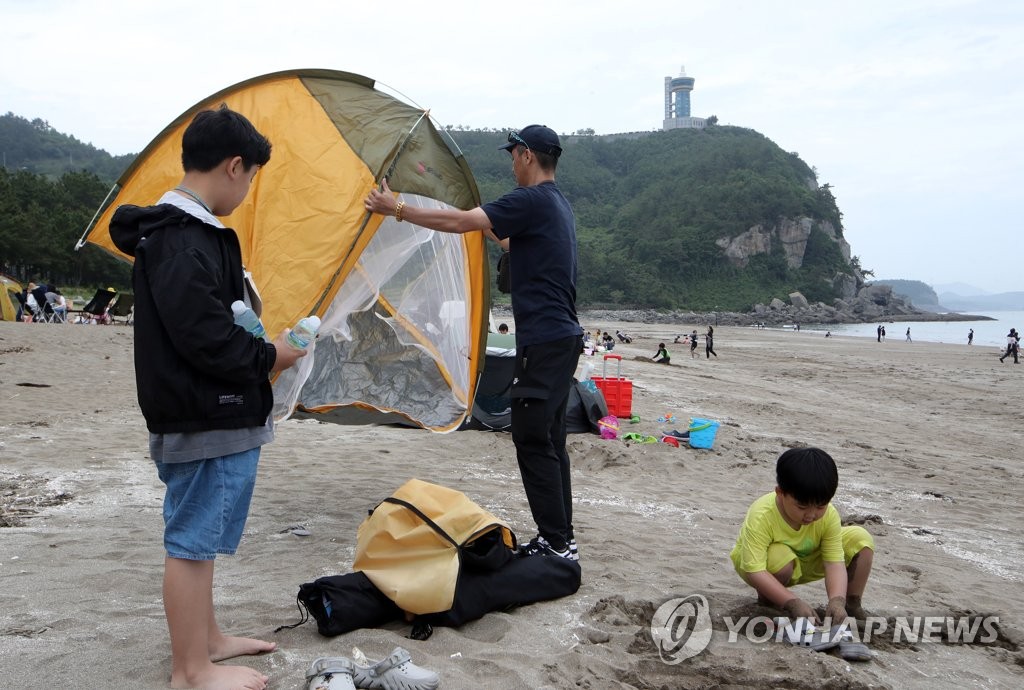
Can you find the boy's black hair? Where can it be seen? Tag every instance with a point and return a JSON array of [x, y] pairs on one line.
[[214, 135], [807, 474]]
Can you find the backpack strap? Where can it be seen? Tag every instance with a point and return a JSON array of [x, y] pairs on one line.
[[419, 513]]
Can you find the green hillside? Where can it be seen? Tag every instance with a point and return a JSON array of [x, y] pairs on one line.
[[653, 210], [650, 207], [35, 147], [50, 186]]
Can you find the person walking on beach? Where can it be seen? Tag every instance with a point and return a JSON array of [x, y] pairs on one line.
[[709, 343], [536, 222], [883, 334], [879, 330], [908, 335], [693, 343], [970, 337], [203, 383], [1012, 346]]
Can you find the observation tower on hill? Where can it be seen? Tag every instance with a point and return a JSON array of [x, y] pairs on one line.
[[677, 103]]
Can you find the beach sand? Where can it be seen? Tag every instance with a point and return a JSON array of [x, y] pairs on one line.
[[927, 437]]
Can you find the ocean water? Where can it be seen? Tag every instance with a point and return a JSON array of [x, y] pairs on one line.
[[986, 333]]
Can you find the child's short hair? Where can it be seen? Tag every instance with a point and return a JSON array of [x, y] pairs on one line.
[[807, 474], [214, 135]]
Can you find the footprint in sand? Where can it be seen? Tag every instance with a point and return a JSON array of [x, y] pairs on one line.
[[914, 575], [602, 457]]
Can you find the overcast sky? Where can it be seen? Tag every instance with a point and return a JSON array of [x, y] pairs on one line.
[[912, 110]]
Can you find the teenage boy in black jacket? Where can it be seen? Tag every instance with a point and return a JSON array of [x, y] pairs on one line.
[[202, 382]]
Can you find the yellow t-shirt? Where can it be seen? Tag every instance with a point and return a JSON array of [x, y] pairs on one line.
[[764, 525]]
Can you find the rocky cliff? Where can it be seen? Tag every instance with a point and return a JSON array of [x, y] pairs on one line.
[[791, 234]]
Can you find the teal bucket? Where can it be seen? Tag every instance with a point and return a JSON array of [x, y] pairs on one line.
[[702, 432]]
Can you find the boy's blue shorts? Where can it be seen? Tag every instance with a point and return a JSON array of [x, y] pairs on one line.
[[206, 504]]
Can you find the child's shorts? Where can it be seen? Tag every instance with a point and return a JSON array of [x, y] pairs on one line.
[[206, 504], [812, 568]]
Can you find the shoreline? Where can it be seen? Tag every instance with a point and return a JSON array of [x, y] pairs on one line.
[[724, 318]]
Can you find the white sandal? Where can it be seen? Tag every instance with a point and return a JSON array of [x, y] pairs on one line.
[[396, 672], [330, 673]]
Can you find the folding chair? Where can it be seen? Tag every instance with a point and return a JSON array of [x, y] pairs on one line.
[[96, 308], [123, 308], [52, 312], [42, 311]]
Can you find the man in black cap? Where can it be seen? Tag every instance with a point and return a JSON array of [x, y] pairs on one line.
[[536, 223]]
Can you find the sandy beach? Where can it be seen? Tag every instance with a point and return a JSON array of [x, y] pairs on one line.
[[928, 439]]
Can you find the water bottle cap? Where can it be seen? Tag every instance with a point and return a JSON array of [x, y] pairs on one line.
[[314, 321], [238, 307]]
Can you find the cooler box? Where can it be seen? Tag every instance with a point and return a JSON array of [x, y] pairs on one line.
[[617, 391]]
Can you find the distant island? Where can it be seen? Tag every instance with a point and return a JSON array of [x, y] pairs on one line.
[[924, 297]]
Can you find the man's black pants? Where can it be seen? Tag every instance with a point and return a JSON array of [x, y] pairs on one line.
[[540, 390]]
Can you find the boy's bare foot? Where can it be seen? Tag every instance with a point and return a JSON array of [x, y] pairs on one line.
[[216, 677], [227, 647]]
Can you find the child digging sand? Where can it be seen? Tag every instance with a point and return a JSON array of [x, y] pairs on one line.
[[793, 535]]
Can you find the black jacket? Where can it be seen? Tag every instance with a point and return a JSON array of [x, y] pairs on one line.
[[195, 369]]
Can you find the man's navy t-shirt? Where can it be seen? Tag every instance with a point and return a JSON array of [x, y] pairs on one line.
[[542, 241]]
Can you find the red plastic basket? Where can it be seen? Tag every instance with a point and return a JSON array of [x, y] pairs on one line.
[[617, 391]]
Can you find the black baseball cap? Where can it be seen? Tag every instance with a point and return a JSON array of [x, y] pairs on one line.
[[536, 138]]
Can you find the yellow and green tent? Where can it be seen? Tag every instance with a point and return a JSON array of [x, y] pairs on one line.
[[403, 309], [8, 302]]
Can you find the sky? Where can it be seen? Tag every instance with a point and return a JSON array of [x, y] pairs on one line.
[[912, 110]]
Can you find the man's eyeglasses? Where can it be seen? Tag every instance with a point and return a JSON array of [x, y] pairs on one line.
[[514, 138]]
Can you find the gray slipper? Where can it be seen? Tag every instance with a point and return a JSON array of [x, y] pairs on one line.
[[803, 633], [852, 650], [330, 673], [397, 672], [297, 530]]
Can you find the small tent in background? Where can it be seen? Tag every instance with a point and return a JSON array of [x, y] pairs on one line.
[[8, 301], [492, 408], [404, 309]]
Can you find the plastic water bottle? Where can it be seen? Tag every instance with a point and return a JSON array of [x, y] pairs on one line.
[[588, 369], [304, 332], [247, 319]]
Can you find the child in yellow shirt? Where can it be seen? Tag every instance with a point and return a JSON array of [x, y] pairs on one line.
[[793, 535]]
